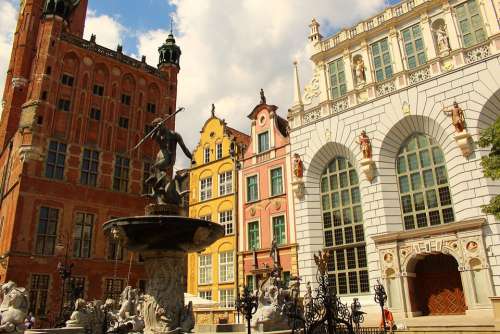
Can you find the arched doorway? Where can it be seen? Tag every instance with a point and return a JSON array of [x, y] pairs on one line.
[[438, 286]]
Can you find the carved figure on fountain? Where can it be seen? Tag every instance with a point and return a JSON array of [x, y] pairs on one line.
[[14, 308], [81, 316]]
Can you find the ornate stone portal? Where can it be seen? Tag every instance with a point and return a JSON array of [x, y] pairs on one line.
[[399, 252]]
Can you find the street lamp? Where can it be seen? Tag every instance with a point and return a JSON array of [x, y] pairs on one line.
[[381, 298], [247, 304], [64, 269]]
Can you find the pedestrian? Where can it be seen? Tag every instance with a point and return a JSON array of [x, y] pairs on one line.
[[29, 322], [389, 321]]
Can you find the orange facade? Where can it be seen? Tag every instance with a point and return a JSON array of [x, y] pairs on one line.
[[71, 112], [265, 200]]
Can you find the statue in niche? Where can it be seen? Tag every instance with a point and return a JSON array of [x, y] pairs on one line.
[[457, 117], [359, 70], [442, 40], [365, 144], [298, 166]]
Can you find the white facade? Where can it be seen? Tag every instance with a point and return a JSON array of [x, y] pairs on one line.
[[411, 101]]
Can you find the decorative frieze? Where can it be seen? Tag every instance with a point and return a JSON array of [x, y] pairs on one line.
[[312, 115], [477, 54], [340, 105], [419, 75], [386, 88]]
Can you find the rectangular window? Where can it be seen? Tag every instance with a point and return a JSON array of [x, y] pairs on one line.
[[206, 217], [253, 235], [205, 294], [67, 80], [146, 173], [114, 288], [205, 189], [206, 155], [226, 298], [74, 289], [64, 105], [120, 179], [252, 189], [126, 99], [382, 59], [218, 151], [82, 235], [46, 231], [98, 90], [414, 46], [276, 182], [151, 107], [263, 141], [279, 232], [251, 282], [225, 183], [95, 114], [115, 250], [470, 23], [38, 294], [123, 122], [142, 285], [226, 266], [337, 78], [56, 158], [226, 220], [205, 269], [90, 167]]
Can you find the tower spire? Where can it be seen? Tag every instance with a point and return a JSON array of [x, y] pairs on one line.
[[297, 98]]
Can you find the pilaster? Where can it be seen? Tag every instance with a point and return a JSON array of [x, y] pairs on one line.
[[430, 47], [453, 33], [396, 51], [346, 57]]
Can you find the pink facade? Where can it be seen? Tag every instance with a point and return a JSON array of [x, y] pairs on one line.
[[265, 201]]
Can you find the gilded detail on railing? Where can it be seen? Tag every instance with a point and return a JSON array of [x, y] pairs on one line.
[[476, 54], [419, 75]]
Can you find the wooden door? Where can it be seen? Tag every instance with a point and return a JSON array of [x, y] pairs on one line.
[[438, 286]]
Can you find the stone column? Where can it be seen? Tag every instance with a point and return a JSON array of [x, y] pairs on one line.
[[163, 306], [406, 293], [428, 37], [346, 57], [489, 17], [368, 62], [396, 51], [451, 27]]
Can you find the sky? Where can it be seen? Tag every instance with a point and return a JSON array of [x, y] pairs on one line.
[[230, 48]]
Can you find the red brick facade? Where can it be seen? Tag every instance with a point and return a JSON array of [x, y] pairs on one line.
[[65, 90]]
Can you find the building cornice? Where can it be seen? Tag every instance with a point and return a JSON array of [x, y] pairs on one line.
[[463, 225]]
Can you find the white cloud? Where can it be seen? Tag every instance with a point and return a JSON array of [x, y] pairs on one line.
[[108, 30], [230, 49], [8, 19]]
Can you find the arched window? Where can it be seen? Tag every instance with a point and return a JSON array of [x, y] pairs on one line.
[[343, 228], [423, 184]]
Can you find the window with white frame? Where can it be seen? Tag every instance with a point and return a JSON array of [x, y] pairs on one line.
[[276, 181], [206, 155], [470, 23], [205, 269], [226, 298], [205, 294], [205, 188], [226, 266], [225, 183], [206, 217], [226, 220], [263, 142], [252, 189], [218, 151]]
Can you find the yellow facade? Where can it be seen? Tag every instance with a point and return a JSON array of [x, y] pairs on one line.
[[213, 161]]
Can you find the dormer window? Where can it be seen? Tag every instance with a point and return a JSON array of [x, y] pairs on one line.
[[263, 141]]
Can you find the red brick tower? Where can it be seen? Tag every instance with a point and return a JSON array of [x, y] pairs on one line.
[[72, 110]]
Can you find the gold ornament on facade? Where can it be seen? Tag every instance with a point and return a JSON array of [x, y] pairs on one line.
[[321, 260], [388, 257], [472, 246], [277, 205], [253, 211]]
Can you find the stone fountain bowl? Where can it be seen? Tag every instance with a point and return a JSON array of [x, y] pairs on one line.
[[165, 233]]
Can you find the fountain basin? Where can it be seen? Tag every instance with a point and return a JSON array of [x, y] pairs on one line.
[[165, 233]]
